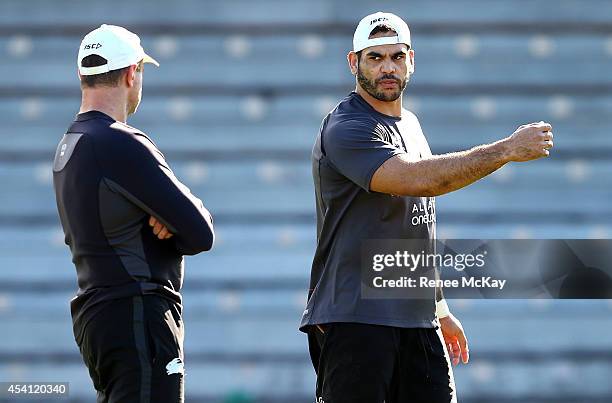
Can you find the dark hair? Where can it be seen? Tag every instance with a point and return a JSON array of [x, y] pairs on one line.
[[110, 79], [381, 29]]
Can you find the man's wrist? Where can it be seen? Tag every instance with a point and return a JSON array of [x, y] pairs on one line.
[[442, 310], [503, 149]]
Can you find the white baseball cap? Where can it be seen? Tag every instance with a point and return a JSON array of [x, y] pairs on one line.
[[120, 47], [361, 39]]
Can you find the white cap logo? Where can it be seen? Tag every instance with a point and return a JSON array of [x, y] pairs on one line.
[[361, 39], [120, 47]]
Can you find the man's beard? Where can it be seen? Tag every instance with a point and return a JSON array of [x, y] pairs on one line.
[[371, 85]]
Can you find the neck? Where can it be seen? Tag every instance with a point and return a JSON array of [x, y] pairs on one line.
[[391, 108], [109, 100]]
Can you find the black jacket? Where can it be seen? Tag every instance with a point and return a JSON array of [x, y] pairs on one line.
[[109, 178]]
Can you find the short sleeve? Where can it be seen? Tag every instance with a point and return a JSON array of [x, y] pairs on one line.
[[357, 149]]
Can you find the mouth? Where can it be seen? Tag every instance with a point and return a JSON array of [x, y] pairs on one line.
[[388, 83]]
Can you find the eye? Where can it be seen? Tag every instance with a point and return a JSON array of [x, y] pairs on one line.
[[400, 56]]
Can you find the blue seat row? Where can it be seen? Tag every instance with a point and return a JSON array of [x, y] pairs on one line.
[[286, 141], [65, 12], [307, 110], [304, 60]]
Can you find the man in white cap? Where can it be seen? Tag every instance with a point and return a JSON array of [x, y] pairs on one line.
[[375, 178], [112, 185]]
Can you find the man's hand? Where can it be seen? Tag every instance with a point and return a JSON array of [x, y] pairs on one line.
[[159, 229], [530, 142], [454, 338]]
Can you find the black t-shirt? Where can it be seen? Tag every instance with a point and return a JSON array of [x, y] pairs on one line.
[[354, 141], [109, 178]]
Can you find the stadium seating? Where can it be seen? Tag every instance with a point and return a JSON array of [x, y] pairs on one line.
[[235, 107]]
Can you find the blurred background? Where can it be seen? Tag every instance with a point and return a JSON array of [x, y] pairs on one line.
[[235, 107]]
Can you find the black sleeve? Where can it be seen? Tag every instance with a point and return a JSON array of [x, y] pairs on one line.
[[357, 150], [133, 166]]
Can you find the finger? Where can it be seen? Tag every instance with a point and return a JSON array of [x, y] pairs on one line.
[[545, 153], [158, 227], [541, 123], [463, 345], [535, 124], [451, 353], [152, 221], [456, 348], [465, 349], [166, 235], [544, 126], [546, 137], [547, 144], [456, 353], [465, 356]]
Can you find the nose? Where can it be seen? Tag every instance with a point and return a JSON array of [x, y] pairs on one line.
[[387, 67]]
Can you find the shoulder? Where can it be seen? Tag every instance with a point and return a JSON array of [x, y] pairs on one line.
[[341, 122], [120, 134], [121, 140], [410, 116], [133, 135], [349, 131], [412, 121]]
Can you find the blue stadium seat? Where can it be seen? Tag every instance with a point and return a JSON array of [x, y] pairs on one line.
[[235, 107]]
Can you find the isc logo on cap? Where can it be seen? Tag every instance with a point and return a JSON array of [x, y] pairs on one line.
[[93, 46], [378, 20]]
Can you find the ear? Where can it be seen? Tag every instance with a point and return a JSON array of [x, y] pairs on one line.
[[411, 61], [130, 76], [352, 62]]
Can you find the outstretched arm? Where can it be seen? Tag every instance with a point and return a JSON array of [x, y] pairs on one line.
[[445, 173]]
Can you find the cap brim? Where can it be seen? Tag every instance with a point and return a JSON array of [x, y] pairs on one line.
[[149, 59]]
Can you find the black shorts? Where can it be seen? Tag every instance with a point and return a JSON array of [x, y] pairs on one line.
[[359, 363], [133, 349]]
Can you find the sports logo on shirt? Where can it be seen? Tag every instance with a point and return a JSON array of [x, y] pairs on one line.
[[65, 149], [424, 212], [175, 367]]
